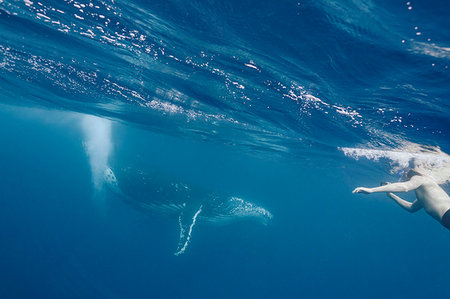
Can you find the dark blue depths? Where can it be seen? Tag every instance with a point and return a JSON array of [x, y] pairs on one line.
[[240, 97]]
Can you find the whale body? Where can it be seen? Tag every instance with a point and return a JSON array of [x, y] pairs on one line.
[[154, 192], [150, 191]]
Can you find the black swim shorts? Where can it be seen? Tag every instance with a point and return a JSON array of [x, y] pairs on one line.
[[446, 219]]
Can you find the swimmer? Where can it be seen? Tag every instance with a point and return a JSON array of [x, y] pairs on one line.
[[429, 195]]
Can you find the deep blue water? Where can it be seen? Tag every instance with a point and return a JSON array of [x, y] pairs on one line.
[[288, 105]]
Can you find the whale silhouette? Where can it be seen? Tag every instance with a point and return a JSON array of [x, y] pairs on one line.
[[150, 190]]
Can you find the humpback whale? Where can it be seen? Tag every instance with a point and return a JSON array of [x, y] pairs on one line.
[[150, 190]]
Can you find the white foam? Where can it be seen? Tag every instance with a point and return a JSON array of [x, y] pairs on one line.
[[98, 146], [432, 49], [428, 160]]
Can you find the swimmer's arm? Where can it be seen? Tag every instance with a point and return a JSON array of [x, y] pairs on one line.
[[411, 207], [412, 184]]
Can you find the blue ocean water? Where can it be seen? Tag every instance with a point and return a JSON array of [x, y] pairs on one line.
[[234, 133]]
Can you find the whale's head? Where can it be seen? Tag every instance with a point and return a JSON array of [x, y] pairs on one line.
[[236, 208], [245, 209]]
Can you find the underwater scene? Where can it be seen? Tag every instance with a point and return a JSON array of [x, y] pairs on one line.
[[224, 149]]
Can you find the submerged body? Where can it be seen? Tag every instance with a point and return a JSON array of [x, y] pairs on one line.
[[429, 196], [152, 191]]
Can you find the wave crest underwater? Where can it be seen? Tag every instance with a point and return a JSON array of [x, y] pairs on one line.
[[283, 77]]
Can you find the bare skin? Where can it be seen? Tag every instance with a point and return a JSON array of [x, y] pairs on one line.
[[429, 194]]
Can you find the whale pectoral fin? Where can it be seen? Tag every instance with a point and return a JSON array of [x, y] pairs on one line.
[[186, 226]]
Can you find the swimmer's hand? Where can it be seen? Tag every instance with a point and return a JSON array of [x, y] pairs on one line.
[[362, 190]]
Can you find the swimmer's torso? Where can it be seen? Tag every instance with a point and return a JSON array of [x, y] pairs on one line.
[[434, 199]]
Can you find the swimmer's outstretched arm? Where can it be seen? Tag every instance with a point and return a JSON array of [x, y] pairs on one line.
[[412, 184], [408, 206]]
